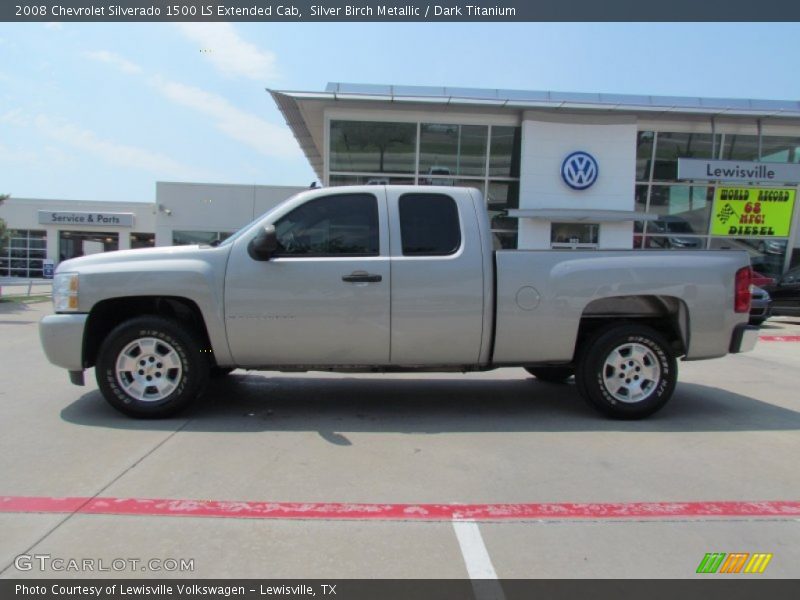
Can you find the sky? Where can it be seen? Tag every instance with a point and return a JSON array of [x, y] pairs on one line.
[[101, 111]]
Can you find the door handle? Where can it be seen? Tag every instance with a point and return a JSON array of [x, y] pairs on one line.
[[362, 277]]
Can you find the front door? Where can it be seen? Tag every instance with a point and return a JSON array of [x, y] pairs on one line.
[[323, 298]]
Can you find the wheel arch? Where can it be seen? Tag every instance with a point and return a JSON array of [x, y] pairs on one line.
[[668, 315], [108, 314]]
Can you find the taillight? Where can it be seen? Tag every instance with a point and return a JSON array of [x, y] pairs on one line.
[[744, 278]]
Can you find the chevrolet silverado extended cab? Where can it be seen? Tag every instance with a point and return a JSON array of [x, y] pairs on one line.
[[392, 278]]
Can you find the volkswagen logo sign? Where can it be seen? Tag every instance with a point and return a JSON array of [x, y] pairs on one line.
[[579, 170]]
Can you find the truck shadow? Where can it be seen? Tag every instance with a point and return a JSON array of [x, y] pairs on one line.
[[333, 406]]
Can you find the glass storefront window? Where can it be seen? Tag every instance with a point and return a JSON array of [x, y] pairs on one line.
[[143, 240], [372, 147], [638, 234], [773, 148], [644, 155], [369, 180], [574, 234], [766, 255], [682, 206], [449, 181], [640, 197], [504, 153], [780, 149], [452, 150], [678, 241], [22, 253], [671, 146], [503, 195], [504, 240], [72, 244], [380, 153]]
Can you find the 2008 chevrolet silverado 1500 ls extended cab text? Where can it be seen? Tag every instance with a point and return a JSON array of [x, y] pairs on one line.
[[392, 278]]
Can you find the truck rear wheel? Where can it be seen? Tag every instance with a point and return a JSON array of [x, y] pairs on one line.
[[151, 367], [627, 371], [551, 374]]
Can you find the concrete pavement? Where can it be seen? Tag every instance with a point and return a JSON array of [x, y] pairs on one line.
[[732, 432]]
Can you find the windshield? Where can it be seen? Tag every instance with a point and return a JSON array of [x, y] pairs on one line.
[[230, 240]]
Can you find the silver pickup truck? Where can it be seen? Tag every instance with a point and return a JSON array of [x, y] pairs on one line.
[[392, 278]]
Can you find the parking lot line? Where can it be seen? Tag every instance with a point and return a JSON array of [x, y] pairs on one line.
[[476, 557], [477, 560], [397, 512]]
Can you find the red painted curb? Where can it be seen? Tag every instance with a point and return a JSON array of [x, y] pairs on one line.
[[395, 512], [779, 338]]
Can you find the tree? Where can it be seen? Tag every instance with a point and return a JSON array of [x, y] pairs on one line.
[[363, 136]]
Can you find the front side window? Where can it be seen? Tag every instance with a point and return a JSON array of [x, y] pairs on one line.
[[429, 225], [339, 225]]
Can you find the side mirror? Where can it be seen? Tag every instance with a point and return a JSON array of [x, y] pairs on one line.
[[263, 246]]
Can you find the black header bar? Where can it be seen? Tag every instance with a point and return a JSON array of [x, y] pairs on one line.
[[708, 588], [410, 10]]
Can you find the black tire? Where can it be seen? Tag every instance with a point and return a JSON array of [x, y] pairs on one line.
[[183, 374], [647, 371], [758, 321], [219, 372], [551, 374]]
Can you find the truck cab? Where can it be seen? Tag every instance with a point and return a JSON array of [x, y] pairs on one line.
[[366, 277]]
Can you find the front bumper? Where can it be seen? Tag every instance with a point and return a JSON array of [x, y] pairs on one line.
[[744, 338], [62, 339]]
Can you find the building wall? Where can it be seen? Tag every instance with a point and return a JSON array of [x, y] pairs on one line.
[[23, 214], [222, 208], [184, 207], [546, 140]]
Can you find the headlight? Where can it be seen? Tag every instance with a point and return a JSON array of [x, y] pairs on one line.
[[65, 292]]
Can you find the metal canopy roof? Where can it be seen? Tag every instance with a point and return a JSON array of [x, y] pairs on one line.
[[552, 99]]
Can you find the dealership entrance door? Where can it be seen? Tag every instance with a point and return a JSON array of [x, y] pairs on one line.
[[72, 244]]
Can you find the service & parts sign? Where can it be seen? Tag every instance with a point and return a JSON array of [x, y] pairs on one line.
[[749, 211]]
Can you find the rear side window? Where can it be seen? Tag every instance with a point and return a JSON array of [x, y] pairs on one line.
[[429, 225]]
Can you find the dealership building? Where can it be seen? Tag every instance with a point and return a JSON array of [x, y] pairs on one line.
[[49, 231], [558, 170]]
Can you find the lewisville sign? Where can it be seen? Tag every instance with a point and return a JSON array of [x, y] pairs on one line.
[[737, 171]]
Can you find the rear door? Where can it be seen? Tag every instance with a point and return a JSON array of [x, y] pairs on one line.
[[437, 278]]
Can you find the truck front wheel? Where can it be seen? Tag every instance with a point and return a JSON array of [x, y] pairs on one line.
[[151, 367], [627, 371]]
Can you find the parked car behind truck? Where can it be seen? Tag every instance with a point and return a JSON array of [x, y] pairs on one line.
[[785, 293], [392, 278]]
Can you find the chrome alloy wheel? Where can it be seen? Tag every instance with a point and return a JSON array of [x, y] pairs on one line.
[[631, 372], [149, 369]]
